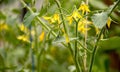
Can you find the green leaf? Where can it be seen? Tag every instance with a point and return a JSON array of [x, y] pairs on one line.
[[1, 62], [28, 1], [28, 18], [43, 10], [100, 19], [110, 43], [2, 16], [98, 4]]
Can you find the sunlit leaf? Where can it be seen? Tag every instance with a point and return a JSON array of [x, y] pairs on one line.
[[28, 18], [100, 19]]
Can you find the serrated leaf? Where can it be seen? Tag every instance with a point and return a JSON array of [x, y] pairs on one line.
[[100, 19], [28, 18]]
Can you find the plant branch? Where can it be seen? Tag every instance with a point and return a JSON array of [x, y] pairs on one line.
[[95, 47], [40, 21], [116, 4], [84, 47], [76, 49], [64, 25]]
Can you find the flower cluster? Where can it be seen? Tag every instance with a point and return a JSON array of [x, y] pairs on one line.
[[53, 19], [3, 26], [26, 36], [78, 15]]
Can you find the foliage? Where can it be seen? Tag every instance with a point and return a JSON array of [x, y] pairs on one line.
[[61, 36]]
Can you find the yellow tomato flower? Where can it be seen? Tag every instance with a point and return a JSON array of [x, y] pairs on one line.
[[49, 19], [3, 27], [70, 19], [108, 22], [81, 26], [24, 38], [97, 30], [56, 18], [84, 8], [82, 29], [84, 21], [74, 15], [41, 37], [66, 38], [23, 28], [53, 19]]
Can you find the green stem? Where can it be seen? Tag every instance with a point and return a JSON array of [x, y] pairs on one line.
[[76, 49], [61, 14], [39, 60], [116, 4], [63, 20], [84, 47], [36, 47], [65, 28], [76, 63], [95, 48], [80, 60]]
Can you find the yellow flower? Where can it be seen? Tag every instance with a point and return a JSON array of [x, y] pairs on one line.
[[108, 22], [84, 8], [49, 19], [70, 19], [74, 15], [3, 27], [41, 37], [56, 18], [81, 26], [24, 38], [66, 38], [97, 30], [53, 19], [82, 29], [23, 28]]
